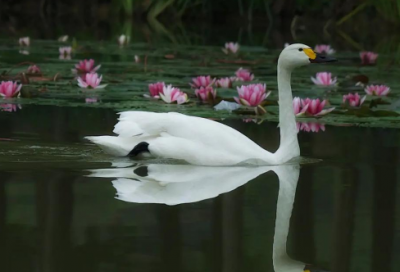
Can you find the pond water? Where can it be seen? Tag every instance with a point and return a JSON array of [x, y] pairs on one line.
[[66, 206]]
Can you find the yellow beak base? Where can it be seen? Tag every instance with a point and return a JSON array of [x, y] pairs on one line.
[[310, 53]]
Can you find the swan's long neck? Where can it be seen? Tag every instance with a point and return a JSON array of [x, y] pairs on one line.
[[288, 177], [289, 146]]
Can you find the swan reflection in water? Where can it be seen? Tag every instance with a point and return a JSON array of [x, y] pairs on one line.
[[178, 184]]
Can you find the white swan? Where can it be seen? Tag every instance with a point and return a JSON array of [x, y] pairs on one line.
[[201, 141]]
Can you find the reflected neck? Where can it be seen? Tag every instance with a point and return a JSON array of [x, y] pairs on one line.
[[284, 207], [289, 146], [288, 178]]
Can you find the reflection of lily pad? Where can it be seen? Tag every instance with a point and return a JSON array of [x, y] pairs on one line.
[[365, 111], [378, 101]]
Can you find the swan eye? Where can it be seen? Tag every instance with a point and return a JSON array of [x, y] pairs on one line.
[[300, 49]]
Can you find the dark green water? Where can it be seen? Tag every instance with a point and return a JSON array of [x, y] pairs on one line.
[[55, 217], [59, 207]]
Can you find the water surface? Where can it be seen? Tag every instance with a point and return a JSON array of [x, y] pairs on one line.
[[60, 210]]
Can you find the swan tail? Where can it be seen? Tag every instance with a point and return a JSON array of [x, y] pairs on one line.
[[138, 172], [113, 173], [117, 146]]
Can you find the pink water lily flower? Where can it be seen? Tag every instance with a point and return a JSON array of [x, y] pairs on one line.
[[251, 95], [205, 93], [324, 49], [65, 52], [91, 81], [85, 66], [368, 58], [24, 41], [298, 109], [10, 107], [123, 40], [315, 107], [244, 75], [378, 90], [310, 126], [171, 94], [224, 82], [63, 38], [231, 47], [354, 100], [33, 69], [324, 79], [156, 89], [9, 89], [202, 81]]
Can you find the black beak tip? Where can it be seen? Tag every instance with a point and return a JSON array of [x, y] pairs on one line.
[[320, 58]]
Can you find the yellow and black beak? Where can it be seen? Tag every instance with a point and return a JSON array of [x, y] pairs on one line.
[[317, 57]]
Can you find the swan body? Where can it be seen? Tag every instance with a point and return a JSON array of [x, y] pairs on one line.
[[173, 135], [205, 142]]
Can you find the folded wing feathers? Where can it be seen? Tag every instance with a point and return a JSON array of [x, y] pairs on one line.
[[139, 123], [127, 129]]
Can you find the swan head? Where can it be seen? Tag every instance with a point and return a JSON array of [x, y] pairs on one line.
[[297, 55]]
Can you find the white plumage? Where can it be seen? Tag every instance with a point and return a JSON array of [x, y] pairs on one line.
[[172, 135]]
